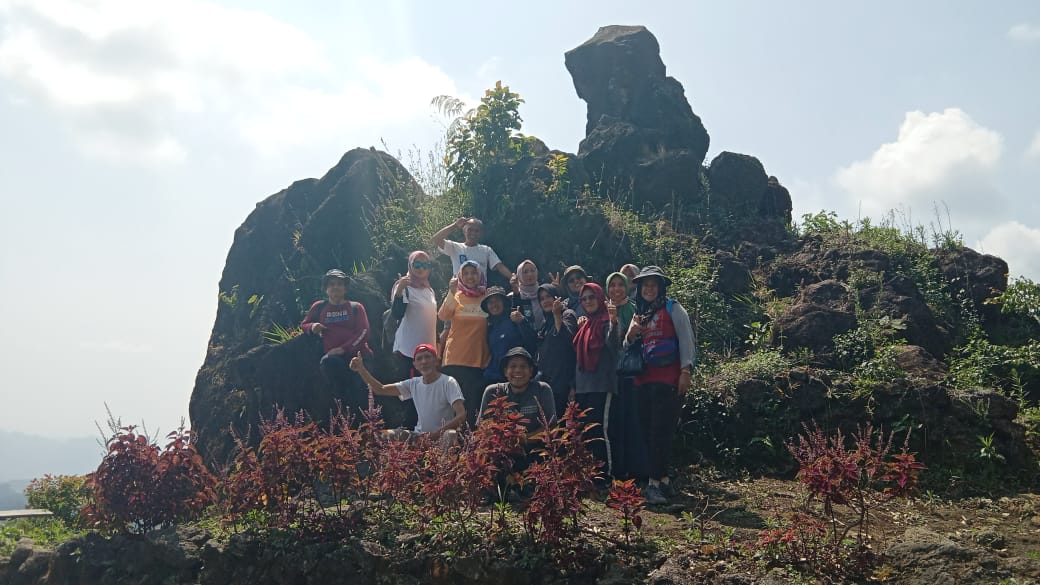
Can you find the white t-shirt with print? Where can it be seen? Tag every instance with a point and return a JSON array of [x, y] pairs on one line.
[[460, 252], [432, 401], [419, 324]]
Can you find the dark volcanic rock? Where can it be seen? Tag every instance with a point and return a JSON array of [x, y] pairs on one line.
[[738, 181], [641, 134], [272, 275]]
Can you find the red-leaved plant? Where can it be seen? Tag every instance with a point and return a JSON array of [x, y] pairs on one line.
[[562, 477], [861, 474], [627, 500], [138, 487]]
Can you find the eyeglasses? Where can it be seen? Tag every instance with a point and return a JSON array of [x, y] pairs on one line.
[[587, 298], [420, 265]]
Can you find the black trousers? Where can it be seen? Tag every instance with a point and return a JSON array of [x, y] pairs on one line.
[[659, 406], [471, 381], [347, 385], [599, 405]]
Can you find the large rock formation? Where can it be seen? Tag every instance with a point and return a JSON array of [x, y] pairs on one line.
[[272, 275], [641, 135]]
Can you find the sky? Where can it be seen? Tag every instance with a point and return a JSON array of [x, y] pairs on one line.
[[137, 135]]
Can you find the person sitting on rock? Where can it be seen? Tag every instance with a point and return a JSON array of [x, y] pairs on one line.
[[505, 330], [470, 249], [343, 327], [438, 399]]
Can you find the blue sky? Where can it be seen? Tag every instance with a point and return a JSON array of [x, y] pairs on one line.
[[137, 135]]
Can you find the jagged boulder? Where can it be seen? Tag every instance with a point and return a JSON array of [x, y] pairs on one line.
[[273, 273], [822, 311], [641, 136]]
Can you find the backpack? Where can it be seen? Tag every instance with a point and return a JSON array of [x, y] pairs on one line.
[[390, 325], [662, 351]]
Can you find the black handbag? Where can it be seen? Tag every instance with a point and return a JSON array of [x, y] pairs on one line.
[[631, 361]]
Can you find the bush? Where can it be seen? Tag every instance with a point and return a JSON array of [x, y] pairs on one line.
[[138, 487], [64, 495]]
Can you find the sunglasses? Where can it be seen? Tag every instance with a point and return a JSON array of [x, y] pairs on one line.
[[420, 265], [587, 298]]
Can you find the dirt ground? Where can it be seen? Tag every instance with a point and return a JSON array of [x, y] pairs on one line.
[[708, 535]]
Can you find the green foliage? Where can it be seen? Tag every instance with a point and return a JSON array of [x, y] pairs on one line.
[[981, 364], [64, 495], [1022, 297], [483, 137], [44, 532], [279, 335], [763, 364]]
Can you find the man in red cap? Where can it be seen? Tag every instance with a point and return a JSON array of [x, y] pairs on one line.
[[437, 397]]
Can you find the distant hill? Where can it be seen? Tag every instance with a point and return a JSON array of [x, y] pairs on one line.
[[24, 457], [12, 496]]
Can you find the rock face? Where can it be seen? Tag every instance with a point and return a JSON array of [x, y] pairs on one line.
[[272, 275], [641, 133]]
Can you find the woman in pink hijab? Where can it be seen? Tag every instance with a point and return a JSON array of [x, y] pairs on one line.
[[415, 306]]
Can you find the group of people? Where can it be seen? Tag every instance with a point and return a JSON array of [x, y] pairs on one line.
[[541, 345]]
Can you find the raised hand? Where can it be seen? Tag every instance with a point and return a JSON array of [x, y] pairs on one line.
[[356, 363], [554, 279], [514, 282], [558, 306], [516, 316], [402, 283], [612, 311], [453, 285], [582, 319], [461, 221]]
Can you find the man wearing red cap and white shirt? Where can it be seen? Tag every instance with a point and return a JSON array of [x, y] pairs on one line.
[[437, 397]]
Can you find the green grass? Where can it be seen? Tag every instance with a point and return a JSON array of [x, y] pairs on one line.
[[45, 532]]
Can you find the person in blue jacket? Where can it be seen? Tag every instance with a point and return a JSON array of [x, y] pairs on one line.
[[505, 331]]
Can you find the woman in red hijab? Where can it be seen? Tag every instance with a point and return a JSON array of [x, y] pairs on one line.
[[597, 344]]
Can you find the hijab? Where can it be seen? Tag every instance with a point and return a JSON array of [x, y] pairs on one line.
[[480, 289], [530, 292], [592, 335], [413, 275], [547, 322], [625, 309]]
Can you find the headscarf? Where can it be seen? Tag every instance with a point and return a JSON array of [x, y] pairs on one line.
[[547, 322], [592, 335], [480, 288], [625, 309], [416, 280], [647, 308], [530, 292]]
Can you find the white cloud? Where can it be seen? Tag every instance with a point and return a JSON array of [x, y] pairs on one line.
[[1034, 147], [936, 157], [143, 65], [489, 69], [1018, 245], [1024, 32]]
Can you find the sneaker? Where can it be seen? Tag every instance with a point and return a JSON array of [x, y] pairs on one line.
[[653, 495]]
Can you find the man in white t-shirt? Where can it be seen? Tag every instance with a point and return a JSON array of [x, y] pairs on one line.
[[437, 397], [470, 249]]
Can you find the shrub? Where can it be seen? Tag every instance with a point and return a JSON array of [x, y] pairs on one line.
[[563, 476], [64, 495], [138, 487], [861, 477], [627, 500]]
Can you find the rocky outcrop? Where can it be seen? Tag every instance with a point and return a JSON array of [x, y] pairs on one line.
[[273, 273], [641, 136]]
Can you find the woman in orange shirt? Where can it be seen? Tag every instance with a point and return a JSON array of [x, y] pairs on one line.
[[466, 351]]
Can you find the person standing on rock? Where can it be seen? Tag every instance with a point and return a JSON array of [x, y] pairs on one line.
[[414, 307], [556, 358], [506, 329], [596, 346], [669, 347], [343, 328], [629, 457], [469, 249], [466, 351]]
